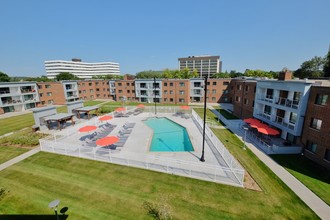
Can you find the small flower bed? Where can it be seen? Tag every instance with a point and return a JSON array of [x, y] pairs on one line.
[[22, 138]]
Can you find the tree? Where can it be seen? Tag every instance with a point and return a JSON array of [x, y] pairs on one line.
[[149, 74], [65, 76], [195, 74], [167, 74], [221, 75], [311, 68], [185, 73], [4, 77], [326, 67]]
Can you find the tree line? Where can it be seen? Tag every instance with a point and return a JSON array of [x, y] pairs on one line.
[[314, 68]]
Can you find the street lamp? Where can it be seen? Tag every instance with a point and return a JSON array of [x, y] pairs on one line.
[[205, 90], [53, 205], [155, 95], [245, 130]]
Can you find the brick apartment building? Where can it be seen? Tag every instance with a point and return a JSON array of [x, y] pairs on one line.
[[94, 89], [316, 131], [242, 95], [175, 91], [125, 90]]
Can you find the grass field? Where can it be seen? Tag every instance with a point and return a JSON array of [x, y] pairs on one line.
[[96, 190], [314, 176], [225, 113], [7, 153]]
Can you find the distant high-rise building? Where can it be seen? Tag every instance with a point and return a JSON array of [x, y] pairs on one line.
[[205, 65], [80, 69]]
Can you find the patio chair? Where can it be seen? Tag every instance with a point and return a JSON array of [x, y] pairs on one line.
[[125, 131]]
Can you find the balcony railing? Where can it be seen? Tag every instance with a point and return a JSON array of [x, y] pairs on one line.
[[287, 102], [281, 121]]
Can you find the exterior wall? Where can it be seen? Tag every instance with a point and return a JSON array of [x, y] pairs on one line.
[[144, 90], [242, 95], [275, 104], [51, 93], [217, 90], [81, 69], [175, 91], [319, 137], [205, 65], [70, 90], [94, 89], [125, 90], [18, 96], [197, 90]]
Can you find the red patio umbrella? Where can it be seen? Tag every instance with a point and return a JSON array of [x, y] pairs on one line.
[[87, 128], [185, 107], [107, 141], [140, 106], [262, 128], [121, 109], [251, 120], [106, 118]]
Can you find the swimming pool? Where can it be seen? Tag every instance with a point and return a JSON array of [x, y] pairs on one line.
[[168, 136]]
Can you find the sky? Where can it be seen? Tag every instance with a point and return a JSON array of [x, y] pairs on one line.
[[153, 34]]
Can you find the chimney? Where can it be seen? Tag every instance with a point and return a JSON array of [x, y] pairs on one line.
[[285, 74]]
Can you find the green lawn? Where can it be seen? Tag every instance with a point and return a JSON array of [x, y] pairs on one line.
[[314, 176], [96, 190], [16, 123], [92, 102], [7, 153]]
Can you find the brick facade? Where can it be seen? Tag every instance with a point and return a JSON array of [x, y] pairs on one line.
[[242, 95], [175, 91], [51, 93], [125, 89], [218, 90], [94, 89], [316, 136]]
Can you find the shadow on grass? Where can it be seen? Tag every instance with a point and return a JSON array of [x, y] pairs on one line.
[[304, 166], [33, 217]]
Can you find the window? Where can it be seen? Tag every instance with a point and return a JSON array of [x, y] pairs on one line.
[[97, 95], [43, 102], [225, 91], [225, 84], [293, 118], [214, 91], [84, 91], [79, 91], [246, 101], [120, 91], [119, 84], [268, 109], [327, 155], [214, 83], [90, 84], [197, 84], [128, 91], [165, 84], [311, 146], [39, 86], [316, 123], [171, 91], [48, 86], [253, 104], [181, 92], [165, 91], [49, 94], [208, 91], [50, 101], [181, 100], [213, 99], [165, 99], [96, 83], [92, 97], [321, 99], [269, 94], [83, 84], [171, 84], [127, 84], [97, 90], [238, 87], [171, 99], [91, 90], [246, 88], [40, 94], [238, 99], [181, 83]]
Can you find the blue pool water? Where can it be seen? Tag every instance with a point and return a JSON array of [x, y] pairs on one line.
[[168, 136]]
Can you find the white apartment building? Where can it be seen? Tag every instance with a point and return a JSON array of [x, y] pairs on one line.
[[196, 89], [70, 90], [205, 65], [148, 90], [282, 104], [17, 97], [80, 69]]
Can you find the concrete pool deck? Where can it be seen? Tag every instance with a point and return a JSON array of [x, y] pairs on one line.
[[136, 149]]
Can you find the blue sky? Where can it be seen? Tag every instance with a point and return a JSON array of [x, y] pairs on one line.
[[153, 34]]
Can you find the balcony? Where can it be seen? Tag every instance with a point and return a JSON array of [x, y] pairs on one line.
[[281, 121], [287, 102]]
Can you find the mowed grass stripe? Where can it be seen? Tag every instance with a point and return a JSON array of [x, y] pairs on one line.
[[7, 153], [97, 190], [15, 123]]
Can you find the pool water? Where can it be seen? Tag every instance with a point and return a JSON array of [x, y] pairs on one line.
[[168, 136]]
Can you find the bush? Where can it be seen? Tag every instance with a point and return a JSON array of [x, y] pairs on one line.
[[23, 138]]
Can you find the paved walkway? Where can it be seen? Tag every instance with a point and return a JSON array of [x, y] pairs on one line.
[[305, 194], [19, 158]]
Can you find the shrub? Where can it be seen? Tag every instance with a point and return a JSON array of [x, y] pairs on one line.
[[23, 138]]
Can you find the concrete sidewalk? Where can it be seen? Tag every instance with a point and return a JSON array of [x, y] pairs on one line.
[[19, 158], [305, 194]]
